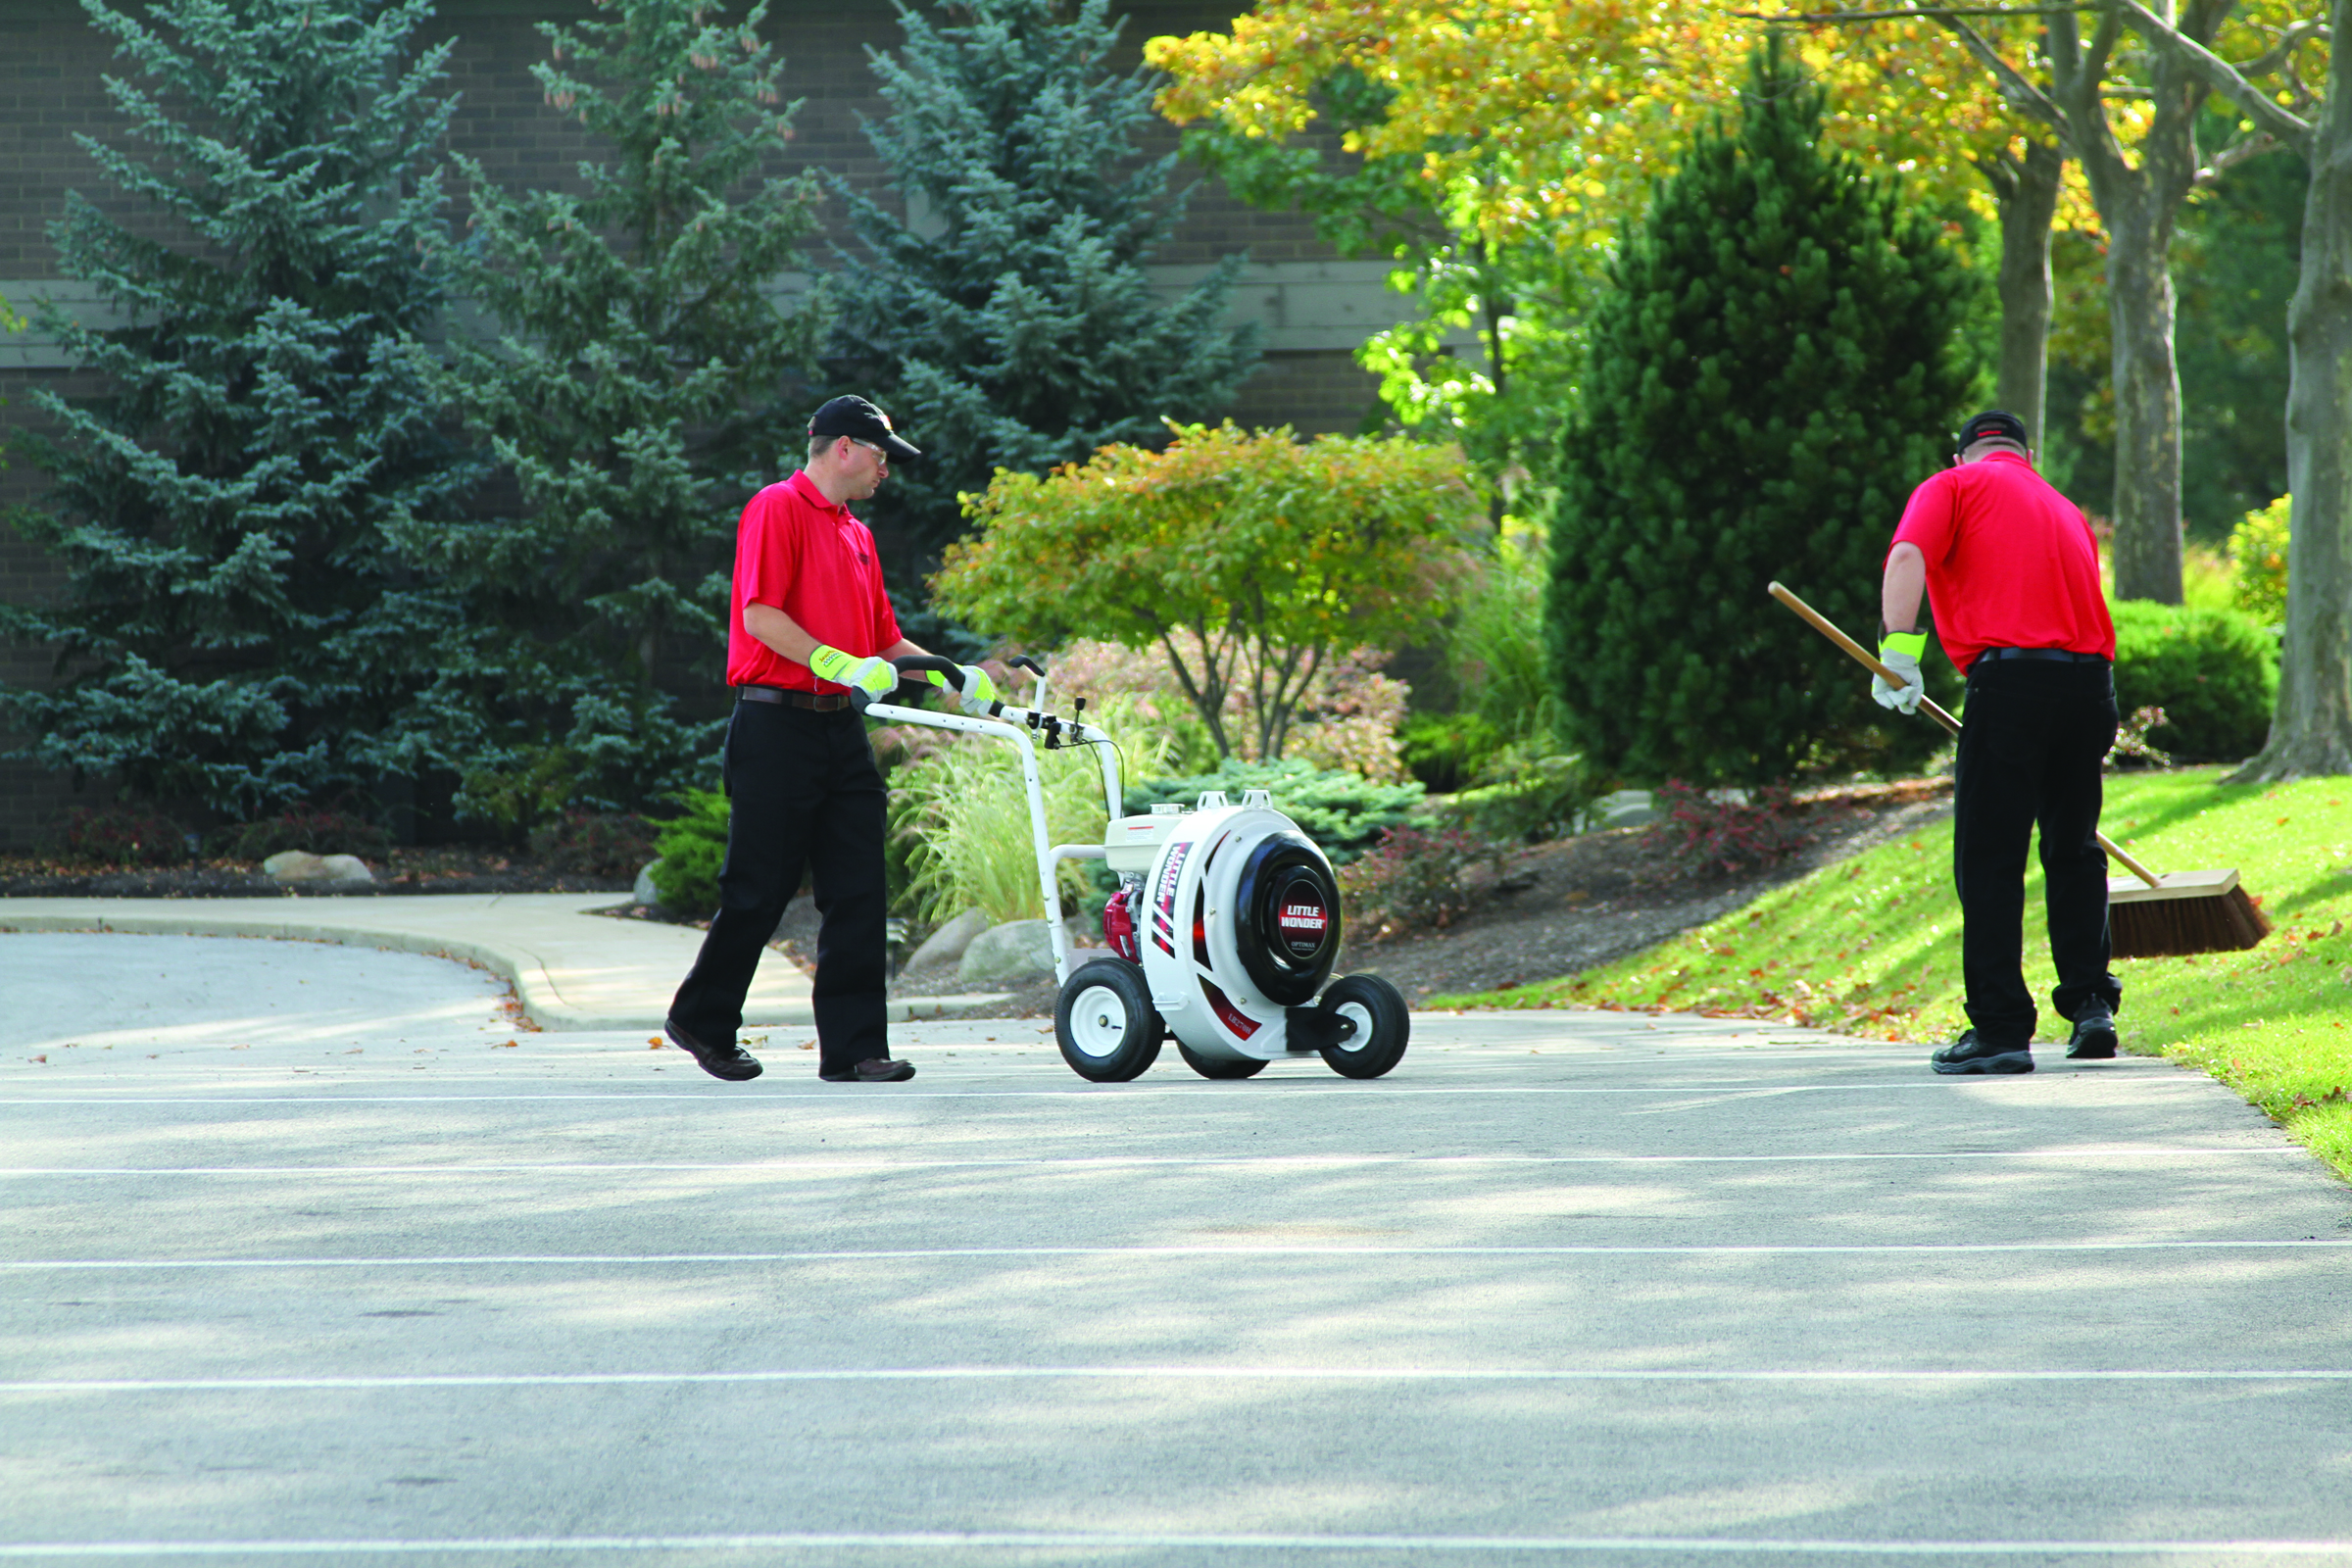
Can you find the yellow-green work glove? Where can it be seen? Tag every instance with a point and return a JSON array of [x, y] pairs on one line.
[[873, 676], [978, 694], [1900, 651]]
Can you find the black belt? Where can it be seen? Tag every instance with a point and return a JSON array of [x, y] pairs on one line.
[[2059, 656], [823, 702]]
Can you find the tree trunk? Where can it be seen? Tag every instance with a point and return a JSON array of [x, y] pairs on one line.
[[2310, 729], [2147, 401], [2027, 195]]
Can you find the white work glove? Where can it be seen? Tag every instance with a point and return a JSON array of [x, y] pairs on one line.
[[1900, 651], [875, 677], [979, 692]]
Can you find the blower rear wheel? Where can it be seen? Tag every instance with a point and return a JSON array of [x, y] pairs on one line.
[[1215, 1067], [1383, 1025], [1105, 1022]]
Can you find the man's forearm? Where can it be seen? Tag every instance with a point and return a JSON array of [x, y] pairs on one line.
[[1905, 585]]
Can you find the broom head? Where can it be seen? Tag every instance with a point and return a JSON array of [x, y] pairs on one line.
[[2187, 911]]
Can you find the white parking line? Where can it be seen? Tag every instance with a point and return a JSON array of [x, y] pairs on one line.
[[924, 1253], [1273, 1163], [1222, 1097], [1108, 1541], [1182, 1374]]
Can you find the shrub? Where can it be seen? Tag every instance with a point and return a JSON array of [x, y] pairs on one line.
[[1524, 797], [1777, 358], [1343, 812], [1445, 751], [316, 830], [963, 814], [2258, 553], [1728, 835], [118, 836], [1410, 879], [1495, 644], [600, 844], [691, 846], [2214, 673]]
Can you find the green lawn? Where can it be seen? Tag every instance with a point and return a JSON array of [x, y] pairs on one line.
[[1871, 947]]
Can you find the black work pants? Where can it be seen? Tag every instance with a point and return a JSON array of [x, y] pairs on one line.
[[805, 796], [2034, 737]]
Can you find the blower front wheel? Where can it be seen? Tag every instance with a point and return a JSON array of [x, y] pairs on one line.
[[1216, 1066], [1383, 1025], [1105, 1022]]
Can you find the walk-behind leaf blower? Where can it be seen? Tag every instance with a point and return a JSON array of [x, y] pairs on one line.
[[1223, 933]]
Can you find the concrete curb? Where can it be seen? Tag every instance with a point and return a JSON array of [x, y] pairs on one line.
[[568, 975]]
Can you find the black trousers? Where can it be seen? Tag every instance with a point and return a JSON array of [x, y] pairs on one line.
[[2034, 737], [805, 797]]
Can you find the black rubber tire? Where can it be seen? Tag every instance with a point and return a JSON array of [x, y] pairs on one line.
[[1218, 1067], [1377, 1048], [1117, 1034]]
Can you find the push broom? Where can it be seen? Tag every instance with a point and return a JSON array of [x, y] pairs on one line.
[[2149, 915]]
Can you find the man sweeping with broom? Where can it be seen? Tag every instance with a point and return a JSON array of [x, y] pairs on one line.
[[2012, 577]]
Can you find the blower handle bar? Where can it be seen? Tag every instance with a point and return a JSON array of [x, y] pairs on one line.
[[913, 664], [1868, 661]]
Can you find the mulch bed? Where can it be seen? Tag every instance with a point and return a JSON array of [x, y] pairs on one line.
[[438, 869]]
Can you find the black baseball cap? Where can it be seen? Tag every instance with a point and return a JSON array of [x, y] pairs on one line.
[[1991, 423], [856, 417]]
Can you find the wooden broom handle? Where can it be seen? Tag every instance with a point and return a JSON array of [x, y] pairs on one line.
[[1927, 706]]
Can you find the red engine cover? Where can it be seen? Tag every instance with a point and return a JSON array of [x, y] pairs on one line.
[[1118, 926]]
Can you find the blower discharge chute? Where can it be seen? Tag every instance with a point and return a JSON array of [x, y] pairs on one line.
[[1223, 933]]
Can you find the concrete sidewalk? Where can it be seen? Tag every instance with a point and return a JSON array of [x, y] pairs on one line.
[[572, 968]]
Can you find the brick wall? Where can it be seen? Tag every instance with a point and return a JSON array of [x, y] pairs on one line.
[[51, 89]]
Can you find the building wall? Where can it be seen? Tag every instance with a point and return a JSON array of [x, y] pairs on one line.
[[1314, 306]]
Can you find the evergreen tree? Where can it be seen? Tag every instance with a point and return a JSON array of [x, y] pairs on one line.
[[637, 392], [1779, 358], [235, 630], [1011, 325]]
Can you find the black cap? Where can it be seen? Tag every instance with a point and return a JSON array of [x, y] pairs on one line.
[[860, 419], [1991, 423]]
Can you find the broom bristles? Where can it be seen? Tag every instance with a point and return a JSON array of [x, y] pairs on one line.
[[2165, 928]]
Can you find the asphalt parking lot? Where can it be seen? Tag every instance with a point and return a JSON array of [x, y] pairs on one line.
[[303, 1260]]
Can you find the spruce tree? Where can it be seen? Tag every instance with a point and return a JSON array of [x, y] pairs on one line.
[[1778, 360], [1011, 325], [639, 383], [234, 629]]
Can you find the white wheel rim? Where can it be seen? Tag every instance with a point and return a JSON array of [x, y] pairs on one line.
[[1098, 1021], [1355, 1013]]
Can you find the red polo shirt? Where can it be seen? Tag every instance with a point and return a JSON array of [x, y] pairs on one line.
[[2011, 564], [811, 559]]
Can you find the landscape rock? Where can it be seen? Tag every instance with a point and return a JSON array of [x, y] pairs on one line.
[[1626, 809], [946, 945], [1012, 954], [798, 924], [645, 892], [289, 867]]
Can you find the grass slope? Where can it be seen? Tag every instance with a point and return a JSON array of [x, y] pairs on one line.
[[1871, 947]]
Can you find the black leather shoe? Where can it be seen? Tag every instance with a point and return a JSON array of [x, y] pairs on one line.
[[872, 1070], [733, 1064], [2094, 1039], [1967, 1054]]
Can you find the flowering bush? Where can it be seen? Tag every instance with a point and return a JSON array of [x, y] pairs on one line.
[[116, 835], [600, 844], [2258, 557], [1410, 879], [1728, 835], [320, 830]]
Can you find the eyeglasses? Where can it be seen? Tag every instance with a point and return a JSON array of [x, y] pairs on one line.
[[870, 447]]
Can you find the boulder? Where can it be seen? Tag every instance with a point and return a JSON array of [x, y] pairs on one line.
[[946, 945], [1626, 809], [645, 892], [1012, 954], [798, 924], [290, 866]]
